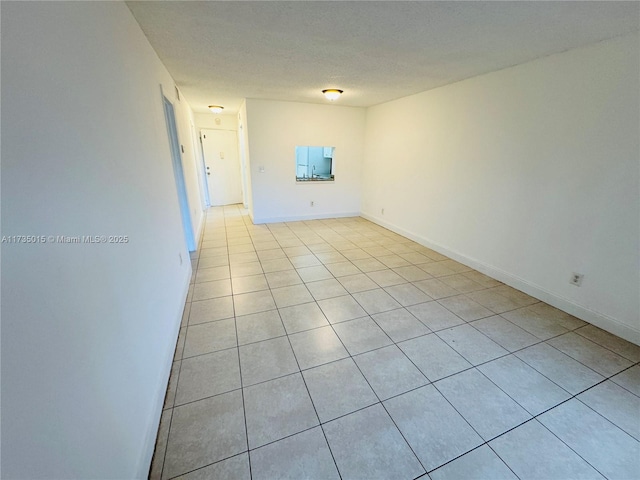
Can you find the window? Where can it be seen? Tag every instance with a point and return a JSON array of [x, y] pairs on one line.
[[314, 164]]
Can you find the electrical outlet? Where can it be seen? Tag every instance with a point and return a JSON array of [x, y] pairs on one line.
[[576, 279], [312, 202], [180, 257], [382, 211]]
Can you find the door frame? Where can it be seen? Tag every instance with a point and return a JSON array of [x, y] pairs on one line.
[[243, 163], [242, 185], [178, 172]]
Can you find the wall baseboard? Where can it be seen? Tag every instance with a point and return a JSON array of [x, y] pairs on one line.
[[144, 463], [598, 319], [297, 218], [203, 218]]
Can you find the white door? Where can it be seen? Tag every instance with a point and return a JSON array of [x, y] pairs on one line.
[[222, 164]]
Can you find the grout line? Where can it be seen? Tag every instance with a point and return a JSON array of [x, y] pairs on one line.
[[331, 236], [166, 446], [244, 409], [209, 464], [304, 381]]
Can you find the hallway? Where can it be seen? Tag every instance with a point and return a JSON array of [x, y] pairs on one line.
[[338, 349]]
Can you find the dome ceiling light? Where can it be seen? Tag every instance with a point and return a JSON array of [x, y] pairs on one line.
[[332, 93]]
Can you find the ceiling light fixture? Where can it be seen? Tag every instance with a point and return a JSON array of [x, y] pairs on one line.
[[332, 93], [216, 108]]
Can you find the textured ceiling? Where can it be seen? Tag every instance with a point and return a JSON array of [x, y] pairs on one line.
[[222, 52]]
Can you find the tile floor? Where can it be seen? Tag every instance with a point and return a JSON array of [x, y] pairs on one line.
[[337, 349]]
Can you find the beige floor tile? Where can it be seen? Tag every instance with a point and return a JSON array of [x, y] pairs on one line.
[[411, 273], [434, 316], [357, 283], [431, 426], [277, 409], [505, 333], [489, 410], [325, 297], [326, 289], [292, 295], [436, 289], [208, 375], [267, 360], [342, 269], [474, 346], [400, 324], [367, 444], [598, 358], [254, 302], [629, 379], [433, 357], [303, 455], [211, 310], [611, 342], [543, 328], [615, 453], [559, 368], [302, 317], [215, 289], [361, 335], [205, 432], [340, 309], [532, 451], [465, 308], [616, 404], [259, 326], [389, 372], [210, 337], [340, 376], [276, 265], [236, 467], [317, 347], [283, 279], [407, 294], [252, 283]]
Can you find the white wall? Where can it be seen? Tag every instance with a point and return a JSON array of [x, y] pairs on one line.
[[245, 160], [88, 331], [276, 128], [529, 174], [185, 122], [208, 120]]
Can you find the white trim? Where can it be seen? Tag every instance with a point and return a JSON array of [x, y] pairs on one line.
[[298, 218], [203, 218], [598, 319]]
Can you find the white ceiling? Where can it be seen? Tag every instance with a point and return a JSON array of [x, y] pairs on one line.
[[221, 52]]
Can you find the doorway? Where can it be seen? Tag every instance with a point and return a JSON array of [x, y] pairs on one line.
[[243, 164], [176, 160], [222, 164]]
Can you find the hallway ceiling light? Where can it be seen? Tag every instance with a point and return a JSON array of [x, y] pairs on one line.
[[216, 108], [332, 93]]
